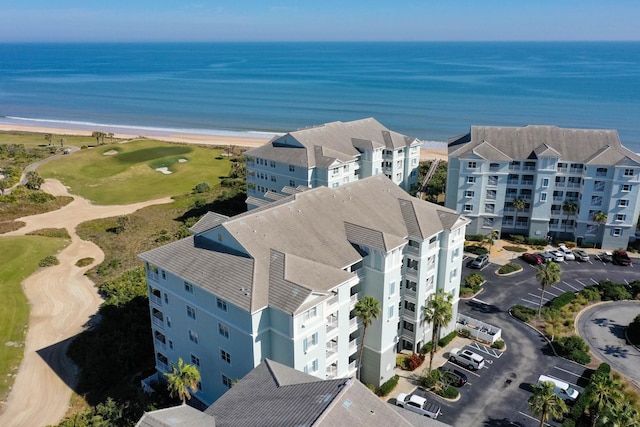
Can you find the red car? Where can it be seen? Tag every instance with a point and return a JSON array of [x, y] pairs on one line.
[[620, 257], [532, 259]]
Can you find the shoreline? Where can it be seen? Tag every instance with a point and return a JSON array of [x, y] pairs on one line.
[[240, 139]]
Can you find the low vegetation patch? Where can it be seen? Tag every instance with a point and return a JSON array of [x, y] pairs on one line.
[[476, 249], [633, 331], [573, 348], [387, 387], [58, 233], [437, 383], [509, 268], [523, 313], [499, 345], [83, 262], [8, 226], [518, 249], [49, 261], [24, 202]]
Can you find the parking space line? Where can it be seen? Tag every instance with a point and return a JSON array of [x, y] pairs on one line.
[[538, 296], [535, 419], [626, 281], [572, 287], [463, 368], [547, 291], [568, 372], [486, 350], [480, 301], [594, 281], [581, 283], [560, 379], [559, 289], [535, 304]]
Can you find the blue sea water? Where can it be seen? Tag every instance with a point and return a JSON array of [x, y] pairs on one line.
[[432, 91]]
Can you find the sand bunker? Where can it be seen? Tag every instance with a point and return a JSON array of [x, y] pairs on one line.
[[110, 153], [164, 170]]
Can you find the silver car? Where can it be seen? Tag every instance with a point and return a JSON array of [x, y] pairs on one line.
[[581, 255]]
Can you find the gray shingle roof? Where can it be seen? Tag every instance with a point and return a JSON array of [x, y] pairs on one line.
[[580, 145], [322, 145], [208, 221], [177, 416], [311, 233]]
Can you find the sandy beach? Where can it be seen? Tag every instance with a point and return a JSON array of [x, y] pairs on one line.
[[185, 138]]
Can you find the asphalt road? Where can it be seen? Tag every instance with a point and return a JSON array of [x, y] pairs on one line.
[[497, 394]]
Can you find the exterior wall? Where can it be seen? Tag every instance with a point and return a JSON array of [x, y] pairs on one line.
[[268, 175], [450, 270], [337, 174], [546, 184]]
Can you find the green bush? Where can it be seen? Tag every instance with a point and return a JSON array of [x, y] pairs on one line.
[[568, 422], [48, 261], [465, 290], [590, 293], [474, 280], [588, 245], [426, 348], [431, 379], [522, 312], [515, 249], [444, 341], [498, 344], [633, 332], [201, 187], [474, 237], [449, 393], [573, 348], [534, 241], [388, 386], [509, 268], [579, 356], [464, 333], [518, 238], [476, 250], [613, 291], [562, 300]]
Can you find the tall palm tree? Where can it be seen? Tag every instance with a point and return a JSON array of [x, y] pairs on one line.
[[601, 218], [181, 379], [519, 204], [48, 137], [605, 393], [547, 275], [621, 415], [570, 208], [438, 312], [544, 402], [367, 310]]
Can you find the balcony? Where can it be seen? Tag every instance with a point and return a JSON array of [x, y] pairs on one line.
[[333, 300], [410, 292], [521, 224], [528, 182], [529, 168], [163, 367], [332, 372], [353, 346], [332, 348], [513, 181], [160, 343], [155, 299], [410, 272], [560, 183], [352, 366], [353, 299], [332, 323], [558, 198], [354, 324], [413, 250], [574, 184]]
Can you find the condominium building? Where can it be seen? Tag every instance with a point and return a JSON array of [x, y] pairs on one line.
[[545, 181], [330, 155], [281, 282]]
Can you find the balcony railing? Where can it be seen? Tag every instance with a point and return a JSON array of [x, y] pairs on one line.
[[353, 299], [353, 346], [157, 322], [413, 250], [332, 323], [573, 184], [155, 299], [332, 372], [410, 292], [522, 224], [513, 181], [352, 366], [333, 300], [160, 343], [354, 324], [332, 348], [527, 182], [162, 366]]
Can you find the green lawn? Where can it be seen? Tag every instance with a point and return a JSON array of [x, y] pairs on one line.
[[130, 176], [19, 257], [32, 139]]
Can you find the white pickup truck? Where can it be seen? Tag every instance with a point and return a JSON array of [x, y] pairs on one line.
[[418, 404]]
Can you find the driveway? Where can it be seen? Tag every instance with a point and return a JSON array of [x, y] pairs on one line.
[[62, 301], [602, 327]]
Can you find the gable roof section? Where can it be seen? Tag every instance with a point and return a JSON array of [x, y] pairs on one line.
[[177, 416], [208, 221], [522, 142], [326, 143]]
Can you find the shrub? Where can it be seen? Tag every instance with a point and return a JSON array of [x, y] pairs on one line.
[[534, 241], [426, 348], [613, 291], [588, 245], [522, 312], [388, 386], [474, 237], [633, 331], [562, 300], [568, 423], [573, 348], [415, 361], [515, 249], [449, 393], [579, 356], [509, 268], [444, 341], [201, 187], [570, 245], [519, 238], [48, 261], [590, 293], [498, 344], [474, 280], [476, 250], [464, 333], [431, 379], [465, 290]]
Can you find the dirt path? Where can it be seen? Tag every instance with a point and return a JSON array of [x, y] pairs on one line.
[[62, 301]]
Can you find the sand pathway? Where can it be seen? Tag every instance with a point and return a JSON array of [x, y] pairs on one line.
[[62, 301]]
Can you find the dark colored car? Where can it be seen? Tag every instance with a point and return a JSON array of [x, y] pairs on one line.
[[546, 256], [532, 259], [604, 257], [480, 261], [454, 376], [620, 257]]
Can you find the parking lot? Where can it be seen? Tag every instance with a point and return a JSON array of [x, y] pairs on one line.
[[497, 394]]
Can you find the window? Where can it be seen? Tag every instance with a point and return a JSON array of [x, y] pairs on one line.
[[469, 193], [471, 179], [454, 274], [292, 183], [193, 336], [628, 172], [170, 344], [195, 360], [225, 356], [188, 287], [310, 342], [272, 164], [468, 208], [310, 314], [545, 182], [489, 208], [625, 187], [487, 222], [226, 381], [409, 306], [596, 200], [621, 217], [472, 165], [223, 330], [390, 310], [292, 168], [407, 325], [601, 172], [616, 232], [191, 312], [623, 203], [543, 197], [311, 367], [335, 171], [166, 298], [392, 288], [273, 178], [164, 275], [222, 304]]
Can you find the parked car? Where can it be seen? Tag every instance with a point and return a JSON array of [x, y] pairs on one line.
[[620, 257], [566, 252], [560, 388], [546, 256], [532, 259], [418, 404], [557, 256], [581, 255], [480, 261], [604, 257], [466, 358], [454, 376]]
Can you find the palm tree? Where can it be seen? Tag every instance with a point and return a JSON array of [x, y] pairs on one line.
[[621, 415], [48, 137], [367, 310], [544, 402], [547, 274], [605, 393], [519, 204], [438, 311], [601, 218], [570, 208], [34, 180], [181, 379]]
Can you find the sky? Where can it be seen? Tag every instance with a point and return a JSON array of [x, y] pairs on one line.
[[318, 20]]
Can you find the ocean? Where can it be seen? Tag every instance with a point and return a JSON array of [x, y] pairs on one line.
[[432, 91]]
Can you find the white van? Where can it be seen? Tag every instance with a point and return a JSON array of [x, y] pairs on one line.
[[560, 388]]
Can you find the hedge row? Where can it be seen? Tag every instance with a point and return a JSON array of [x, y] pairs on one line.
[[564, 299], [388, 386]]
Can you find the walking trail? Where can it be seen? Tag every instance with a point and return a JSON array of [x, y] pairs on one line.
[[62, 300]]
